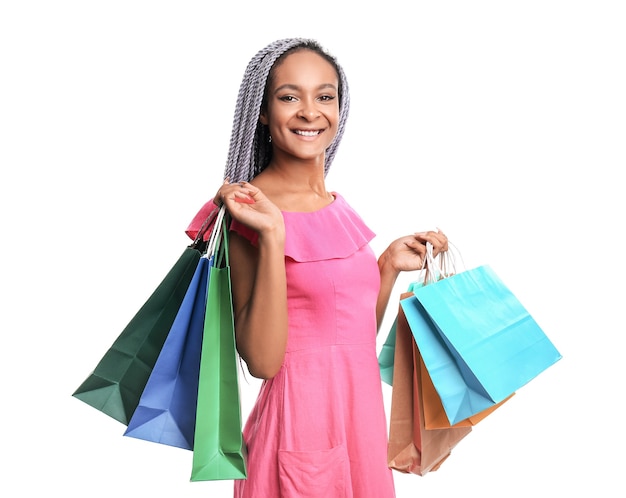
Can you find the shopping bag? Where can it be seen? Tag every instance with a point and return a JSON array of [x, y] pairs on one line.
[[115, 385], [434, 413], [219, 452], [478, 342], [387, 351], [118, 380], [166, 412], [412, 448]]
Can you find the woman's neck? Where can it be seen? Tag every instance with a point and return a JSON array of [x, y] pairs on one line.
[[297, 187]]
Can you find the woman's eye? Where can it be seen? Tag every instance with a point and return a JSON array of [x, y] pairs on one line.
[[327, 98], [288, 98]]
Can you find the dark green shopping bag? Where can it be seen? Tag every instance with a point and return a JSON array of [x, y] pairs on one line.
[[219, 452], [116, 384]]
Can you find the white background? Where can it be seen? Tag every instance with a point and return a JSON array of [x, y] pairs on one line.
[[501, 122]]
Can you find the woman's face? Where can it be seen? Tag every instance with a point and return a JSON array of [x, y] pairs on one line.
[[303, 106]]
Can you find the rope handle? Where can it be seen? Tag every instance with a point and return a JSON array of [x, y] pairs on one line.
[[442, 266], [213, 245], [207, 224]]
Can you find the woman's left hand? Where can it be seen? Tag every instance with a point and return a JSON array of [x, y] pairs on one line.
[[407, 253]]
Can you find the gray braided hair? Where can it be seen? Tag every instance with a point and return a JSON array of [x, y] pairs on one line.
[[250, 150]]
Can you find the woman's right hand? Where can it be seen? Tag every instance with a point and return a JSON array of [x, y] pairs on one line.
[[248, 205]]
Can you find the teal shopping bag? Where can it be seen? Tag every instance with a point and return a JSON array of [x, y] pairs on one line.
[[387, 352], [478, 342], [386, 356]]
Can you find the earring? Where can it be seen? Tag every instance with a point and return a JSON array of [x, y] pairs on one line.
[[270, 140]]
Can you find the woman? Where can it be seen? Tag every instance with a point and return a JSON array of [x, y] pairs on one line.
[[308, 291]]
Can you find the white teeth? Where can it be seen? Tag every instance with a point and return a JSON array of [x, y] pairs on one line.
[[306, 133]]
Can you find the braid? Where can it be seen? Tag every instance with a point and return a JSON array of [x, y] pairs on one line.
[[250, 151], [344, 108]]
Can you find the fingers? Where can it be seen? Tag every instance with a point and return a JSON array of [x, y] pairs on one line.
[[416, 246], [437, 238], [240, 192], [442, 242]]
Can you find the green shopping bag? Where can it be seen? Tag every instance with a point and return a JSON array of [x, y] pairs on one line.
[[118, 380], [219, 452]]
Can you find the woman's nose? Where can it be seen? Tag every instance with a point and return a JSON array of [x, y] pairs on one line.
[[308, 110]]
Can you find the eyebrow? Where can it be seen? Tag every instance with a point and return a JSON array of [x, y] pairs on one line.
[[289, 86]]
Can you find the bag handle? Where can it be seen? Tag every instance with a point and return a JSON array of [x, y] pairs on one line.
[[442, 266], [213, 243], [208, 223], [222, 244], [218, 242]]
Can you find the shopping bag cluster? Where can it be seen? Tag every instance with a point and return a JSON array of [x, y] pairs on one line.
[[461, 345], [171, 376]]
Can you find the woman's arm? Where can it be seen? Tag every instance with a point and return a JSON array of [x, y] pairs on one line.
[[259, 302], [258, 279]]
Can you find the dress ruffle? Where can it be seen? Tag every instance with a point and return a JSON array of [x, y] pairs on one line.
[[199, 219], [350, 233]]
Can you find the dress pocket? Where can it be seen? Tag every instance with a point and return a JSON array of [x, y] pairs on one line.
[[315, 474]]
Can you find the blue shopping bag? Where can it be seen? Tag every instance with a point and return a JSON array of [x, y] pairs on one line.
[[478, 342], [166, 412]]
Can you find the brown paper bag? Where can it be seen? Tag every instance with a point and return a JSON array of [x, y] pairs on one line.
[[412, 448]]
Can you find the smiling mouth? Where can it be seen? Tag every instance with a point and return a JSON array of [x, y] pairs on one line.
[[307, 133]]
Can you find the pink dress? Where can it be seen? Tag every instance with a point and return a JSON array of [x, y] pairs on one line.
[[318, 428]]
